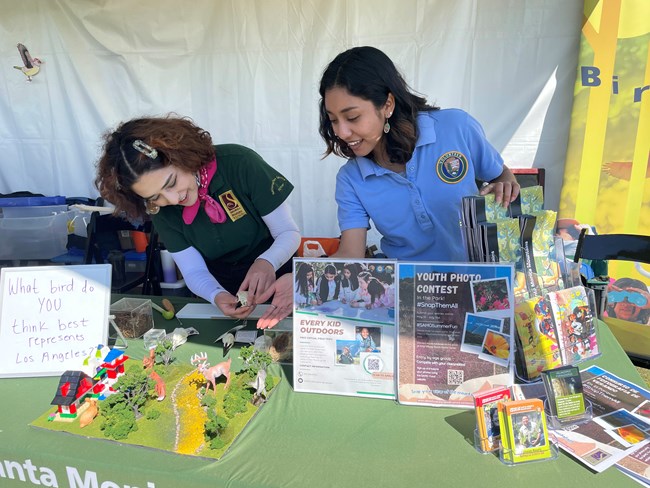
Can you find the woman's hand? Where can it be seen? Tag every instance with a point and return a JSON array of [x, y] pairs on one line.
[[282, 303], [259, 279], [228, 305], [505, 188]]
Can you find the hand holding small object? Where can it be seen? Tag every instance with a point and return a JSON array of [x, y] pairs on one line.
[[232, 307]]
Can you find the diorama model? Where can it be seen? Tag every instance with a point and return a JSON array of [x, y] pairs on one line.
[[199, 409]]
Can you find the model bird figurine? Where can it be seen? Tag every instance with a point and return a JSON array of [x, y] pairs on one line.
[[31, 66], [228, 338]]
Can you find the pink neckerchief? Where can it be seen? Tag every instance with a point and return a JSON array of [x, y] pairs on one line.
[[210, 205]]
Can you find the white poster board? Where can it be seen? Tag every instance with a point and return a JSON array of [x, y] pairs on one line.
[[52, 317]]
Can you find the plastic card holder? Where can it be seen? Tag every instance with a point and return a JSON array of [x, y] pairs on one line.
[[505, 455], [480, 441]]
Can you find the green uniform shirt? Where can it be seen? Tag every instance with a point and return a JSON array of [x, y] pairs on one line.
[[247, 188]]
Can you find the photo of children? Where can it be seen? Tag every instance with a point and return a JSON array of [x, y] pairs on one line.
[[304, 289], [344, 354], [328, 286], [349, 290], [628, 299], [368, 339]]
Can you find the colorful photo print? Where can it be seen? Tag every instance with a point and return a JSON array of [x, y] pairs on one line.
[[496, 348], [596, 457], [528, 430], [367, 339], [344, 352], [361, 290], [621, 418], [631, 434], [475, 329], [490, 295]]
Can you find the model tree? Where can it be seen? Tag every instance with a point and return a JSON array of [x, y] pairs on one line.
[[214, 426], [164, 352], [254, 360], [134, 389]]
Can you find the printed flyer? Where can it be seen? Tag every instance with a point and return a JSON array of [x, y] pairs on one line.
[[344, 327], [619, 431], [455, 331]]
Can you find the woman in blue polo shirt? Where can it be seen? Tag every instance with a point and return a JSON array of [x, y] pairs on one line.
[[220, 210], [409, 164]]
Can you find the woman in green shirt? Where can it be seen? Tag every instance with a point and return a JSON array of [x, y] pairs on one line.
[[220, 210]]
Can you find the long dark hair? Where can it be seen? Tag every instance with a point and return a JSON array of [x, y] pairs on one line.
[[302, 280], [353, 282], [375, 289], [176, 141], [367, 73]]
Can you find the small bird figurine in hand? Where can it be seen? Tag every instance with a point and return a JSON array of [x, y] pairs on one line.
[[31, 66]]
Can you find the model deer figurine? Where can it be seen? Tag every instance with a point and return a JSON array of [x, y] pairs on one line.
[[147, 363], [211, 373]]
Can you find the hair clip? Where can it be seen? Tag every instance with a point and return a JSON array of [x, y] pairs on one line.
[[151, 208], [145, 149]]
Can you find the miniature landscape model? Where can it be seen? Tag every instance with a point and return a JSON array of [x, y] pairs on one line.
[[189, 408]]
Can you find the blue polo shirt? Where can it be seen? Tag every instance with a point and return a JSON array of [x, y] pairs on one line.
[[418, 213]]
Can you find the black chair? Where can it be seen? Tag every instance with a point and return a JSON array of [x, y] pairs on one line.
[[103, 237], [621, 247]]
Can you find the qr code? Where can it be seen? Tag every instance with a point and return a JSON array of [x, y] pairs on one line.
[[455, 376], [373, 364]]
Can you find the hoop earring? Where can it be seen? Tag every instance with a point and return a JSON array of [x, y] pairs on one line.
[[151, 208], [386, 127]]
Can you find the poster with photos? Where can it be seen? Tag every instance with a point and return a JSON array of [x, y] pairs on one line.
[[344, 327], [455, 331]]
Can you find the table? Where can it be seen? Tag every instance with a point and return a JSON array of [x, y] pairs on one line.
[[296, 440]]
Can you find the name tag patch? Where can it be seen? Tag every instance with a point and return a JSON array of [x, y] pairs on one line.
[[232, 205]]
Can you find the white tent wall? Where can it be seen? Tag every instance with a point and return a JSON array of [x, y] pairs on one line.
[[248, 72]]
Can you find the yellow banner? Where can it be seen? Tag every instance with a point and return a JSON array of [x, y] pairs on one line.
[[607, 172]]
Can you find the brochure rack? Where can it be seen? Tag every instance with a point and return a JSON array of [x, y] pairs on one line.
[[480, 441], [504, 454]]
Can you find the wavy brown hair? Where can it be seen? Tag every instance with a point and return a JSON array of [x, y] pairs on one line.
[[177, 142], [367, 73]]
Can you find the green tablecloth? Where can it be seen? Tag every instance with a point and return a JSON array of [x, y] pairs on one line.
[[296, 440]]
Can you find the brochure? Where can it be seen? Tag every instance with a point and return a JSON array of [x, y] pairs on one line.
[[620, 426], [455, 334], [524, 433], [487, 420], [344, 327]]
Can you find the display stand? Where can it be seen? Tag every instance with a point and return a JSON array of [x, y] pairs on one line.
[[505, 453], [555, 423], [479, 441]]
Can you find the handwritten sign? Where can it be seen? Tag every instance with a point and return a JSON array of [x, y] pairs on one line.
[[52, 317]]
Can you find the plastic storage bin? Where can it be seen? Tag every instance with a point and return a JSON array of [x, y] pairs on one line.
[[133, 316], [178, 289], [34, 232]]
